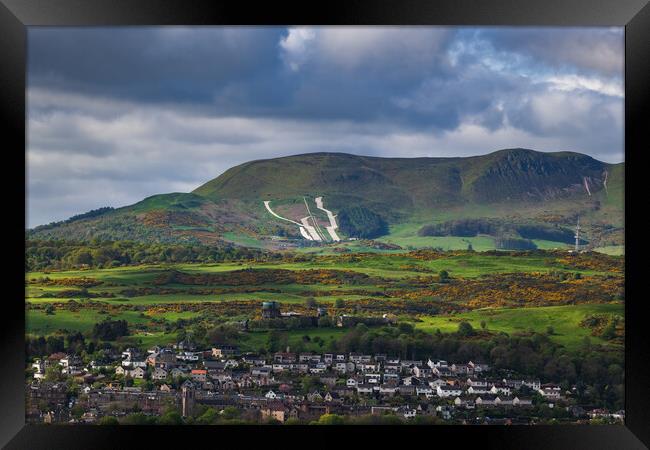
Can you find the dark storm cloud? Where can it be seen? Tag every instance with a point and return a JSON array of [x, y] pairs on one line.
[[151, 63], [115, 115]]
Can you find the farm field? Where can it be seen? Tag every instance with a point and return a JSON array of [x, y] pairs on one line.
[[395, 265], [512, 292]]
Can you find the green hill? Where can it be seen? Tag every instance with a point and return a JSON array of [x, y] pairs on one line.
[[403, 183], [406, 193]]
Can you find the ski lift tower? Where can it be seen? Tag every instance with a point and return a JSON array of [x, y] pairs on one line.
[[577, 236]]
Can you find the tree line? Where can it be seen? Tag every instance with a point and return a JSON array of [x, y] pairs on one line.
[[58, 254]]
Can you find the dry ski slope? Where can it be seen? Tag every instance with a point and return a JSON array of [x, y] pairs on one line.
[[307, 230]]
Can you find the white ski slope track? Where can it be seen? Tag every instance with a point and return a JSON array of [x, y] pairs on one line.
[[312, 231], [305, 234], [302, 230], [333, 226], [313, 219]]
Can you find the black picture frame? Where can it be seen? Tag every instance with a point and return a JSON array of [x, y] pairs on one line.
[[634, 15]]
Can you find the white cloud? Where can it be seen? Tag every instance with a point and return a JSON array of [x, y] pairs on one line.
[[571, 82], [351, 48], [297, 46]]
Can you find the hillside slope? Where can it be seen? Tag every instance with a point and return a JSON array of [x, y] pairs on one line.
[[548, 187]]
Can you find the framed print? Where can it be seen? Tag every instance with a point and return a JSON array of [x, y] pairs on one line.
[[265, 223]]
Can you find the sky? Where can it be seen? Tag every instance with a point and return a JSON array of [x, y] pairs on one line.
[[118, 114]]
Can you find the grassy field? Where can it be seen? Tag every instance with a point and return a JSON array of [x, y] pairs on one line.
[[615, 250], [393, 282], [382, 265], [38, 322], [564, 320]]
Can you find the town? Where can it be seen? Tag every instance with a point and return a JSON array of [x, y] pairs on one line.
[[190, 384]]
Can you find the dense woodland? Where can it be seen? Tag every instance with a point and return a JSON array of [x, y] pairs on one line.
[[360, 222], [499, 228]]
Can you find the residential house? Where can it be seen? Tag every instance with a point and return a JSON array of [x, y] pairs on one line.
[[315, 397], [199, 375], [437, 382], [176, 372], [448, 391], [422, 371], [271, 395], [372, 378], [486, 400], [522, 401], [284, 357], [260, 371], [254, 360], [550, 392], [276, 411], [386, 389], [225, 351], [39, 369], [364, 388], [340, 366], [406, 390], [477, 383], [159, 374], [138, 372], [500, 388], [477, 390], [424, 390], [332, 397]]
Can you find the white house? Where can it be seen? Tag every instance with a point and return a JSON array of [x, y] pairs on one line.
[[424, 390], [271, 395], [448, 391], [477, 390], [500, 388], [550, 392], [437, 382]]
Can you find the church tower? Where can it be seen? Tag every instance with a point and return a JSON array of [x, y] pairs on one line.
[[187, 398]]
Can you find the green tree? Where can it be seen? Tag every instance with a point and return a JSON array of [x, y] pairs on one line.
[[465, 329], [443, 275], [171, 418], [53, 373], [231, 412], [339, 303], [209, 417], [330, 419], [108, 420]]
